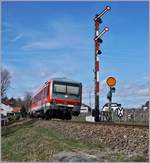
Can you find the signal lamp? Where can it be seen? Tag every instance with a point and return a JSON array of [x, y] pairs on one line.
[[108, 8], [106, 29], [109, 96], [100, 40], [113, 89], [99, 52], [100, 20]]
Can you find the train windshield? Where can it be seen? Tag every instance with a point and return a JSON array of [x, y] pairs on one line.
[[72, 90], [69, 89], [59, 88]]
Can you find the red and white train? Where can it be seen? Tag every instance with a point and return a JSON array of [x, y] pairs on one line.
[[57, 98]]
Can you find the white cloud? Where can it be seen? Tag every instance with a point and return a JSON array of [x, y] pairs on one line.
[[70, 33], [17, 37], [128, 94], [133, 89], [44, 44], [143, 92]]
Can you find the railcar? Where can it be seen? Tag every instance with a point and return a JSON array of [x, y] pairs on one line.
[[57, 98]]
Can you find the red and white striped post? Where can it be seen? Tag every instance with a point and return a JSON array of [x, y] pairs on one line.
[[98, 40]]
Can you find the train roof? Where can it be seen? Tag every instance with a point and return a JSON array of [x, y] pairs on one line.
[[56, 79], [65, 80]]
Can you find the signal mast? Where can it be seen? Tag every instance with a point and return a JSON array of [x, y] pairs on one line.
[[98, 51]]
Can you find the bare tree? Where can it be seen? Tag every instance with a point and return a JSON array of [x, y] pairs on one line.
[[5, 82], [19, 102], [27, 100]]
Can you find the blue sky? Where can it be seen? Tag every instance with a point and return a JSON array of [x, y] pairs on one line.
[[42, 40]]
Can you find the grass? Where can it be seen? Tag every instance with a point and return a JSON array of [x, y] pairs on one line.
[[139, 159], [25, 142], [120, 158]]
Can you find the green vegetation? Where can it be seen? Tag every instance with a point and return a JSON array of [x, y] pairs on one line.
[[119, 158], [23, 111], [23, 142], [26, 141], [139, 159]]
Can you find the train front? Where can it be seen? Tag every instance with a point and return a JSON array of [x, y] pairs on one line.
[[67, 96]]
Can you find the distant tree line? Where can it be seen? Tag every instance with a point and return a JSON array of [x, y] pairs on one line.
[[146, 104], [24, 103]]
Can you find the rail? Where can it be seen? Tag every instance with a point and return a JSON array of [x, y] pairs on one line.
[[106, 123]]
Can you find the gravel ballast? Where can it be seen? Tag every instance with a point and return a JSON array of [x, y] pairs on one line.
[[131, 141]]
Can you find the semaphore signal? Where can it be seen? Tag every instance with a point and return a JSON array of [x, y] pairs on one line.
[[98, 51]]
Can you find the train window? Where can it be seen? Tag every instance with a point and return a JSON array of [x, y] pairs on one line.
[[59, 88], [73, 90]]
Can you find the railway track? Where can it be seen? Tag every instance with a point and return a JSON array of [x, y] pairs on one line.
[[106, 123]]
